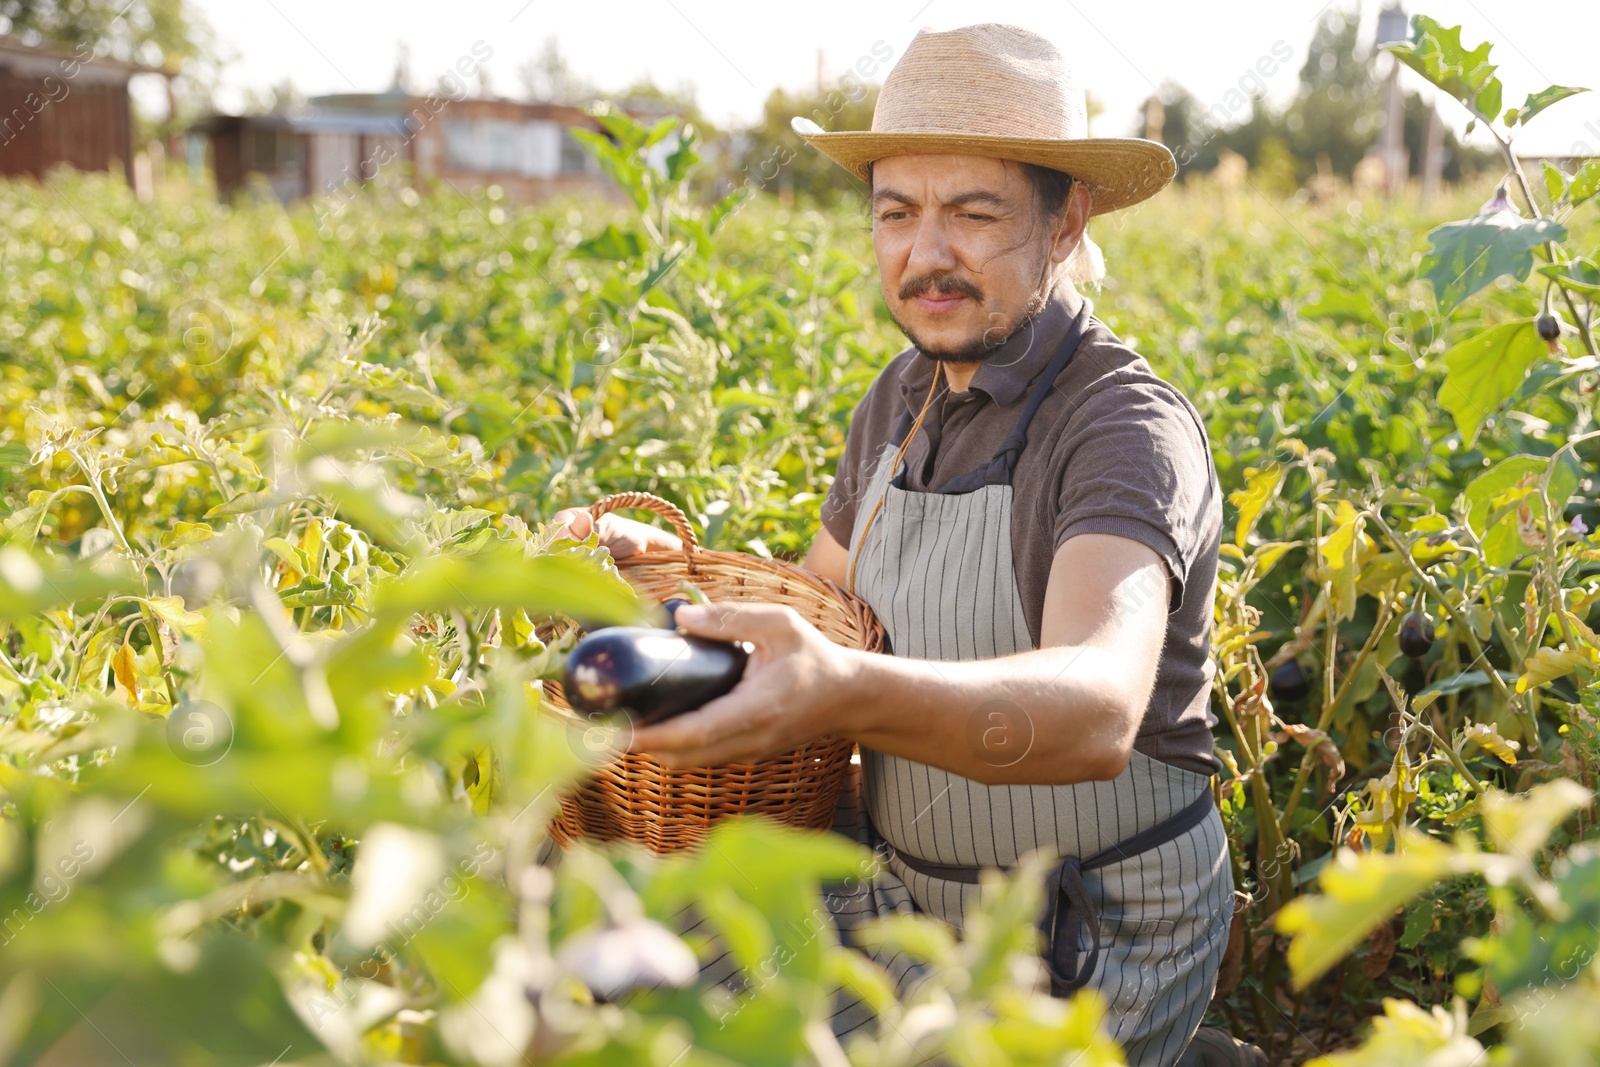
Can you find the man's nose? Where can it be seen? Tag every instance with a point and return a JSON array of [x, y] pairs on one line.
[[931, 251]]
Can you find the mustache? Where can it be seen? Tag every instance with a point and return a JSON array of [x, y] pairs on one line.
[[939, 283]]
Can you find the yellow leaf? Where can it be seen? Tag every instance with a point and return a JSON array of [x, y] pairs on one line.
[[1357, 893], [311, 545], [1548, 664], [187, 533], [1588, 636], [1486, 737], [170, 610], [126, 667], [1382, 571], [1267, 556], [1339, 555], [1425, 551], [1261, 485], [1405, 1033], [1519, 824]]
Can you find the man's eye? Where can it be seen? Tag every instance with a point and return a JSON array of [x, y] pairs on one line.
[[976, 217], [891, 216]]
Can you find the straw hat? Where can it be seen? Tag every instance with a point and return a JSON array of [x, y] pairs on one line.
[[1000, 91]]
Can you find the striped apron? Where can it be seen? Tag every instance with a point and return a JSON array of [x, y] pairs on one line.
[[1140, 902]]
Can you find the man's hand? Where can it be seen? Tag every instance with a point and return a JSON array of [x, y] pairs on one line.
[[624, 537], [793, 688]]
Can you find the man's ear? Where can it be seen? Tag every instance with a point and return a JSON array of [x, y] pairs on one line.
[[1073, 221]]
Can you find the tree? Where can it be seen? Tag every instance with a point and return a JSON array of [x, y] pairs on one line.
[[1336, 113], [548, 78], [1460, 161], [772, 157], [158, 33]]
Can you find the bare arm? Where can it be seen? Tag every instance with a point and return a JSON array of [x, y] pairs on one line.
[[623, 536], [827, 557], [1066, 712]]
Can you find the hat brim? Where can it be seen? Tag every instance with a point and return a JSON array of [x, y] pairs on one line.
[[1119, 171]]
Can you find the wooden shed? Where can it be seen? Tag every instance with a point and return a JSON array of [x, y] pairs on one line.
[[335, 144], [64, 107]]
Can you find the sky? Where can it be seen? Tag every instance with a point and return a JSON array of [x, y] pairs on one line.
[[734, 52]]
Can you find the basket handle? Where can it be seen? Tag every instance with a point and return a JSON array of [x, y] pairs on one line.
[[665, 508]]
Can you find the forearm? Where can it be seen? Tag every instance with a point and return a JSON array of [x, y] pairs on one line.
[[1051, 716]]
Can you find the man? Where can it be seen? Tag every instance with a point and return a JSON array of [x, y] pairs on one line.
[[1034, 516]]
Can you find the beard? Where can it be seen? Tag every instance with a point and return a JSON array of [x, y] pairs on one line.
[[973, 349]]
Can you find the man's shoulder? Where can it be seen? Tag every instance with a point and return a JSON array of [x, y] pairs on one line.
[[1113, 381]]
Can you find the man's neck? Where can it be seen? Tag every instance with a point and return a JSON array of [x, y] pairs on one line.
[[959, 375]]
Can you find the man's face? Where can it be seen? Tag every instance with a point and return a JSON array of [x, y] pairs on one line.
[[962, 248]]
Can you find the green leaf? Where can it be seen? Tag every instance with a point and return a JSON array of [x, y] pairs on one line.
[[1358, 893], [1585, 183], [742, 926], [1484, 370], [1468, 255], [627, 132], [621, 164], [611, 243], [29, 585], [462, 919], [1555, 181], [244, 504], [186, 533], [311, 592], [1488, 99], [1436, 53], [231, 1004], [1579, 276], [1566, 474], [502, 576], [663, 268], [683, 155], [1455, 684], [1419, 923], [1538, 101], [660, 131], [1493, 482]]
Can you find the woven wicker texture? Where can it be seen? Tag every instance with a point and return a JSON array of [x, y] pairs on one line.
[[1000, 91], [638, 799]]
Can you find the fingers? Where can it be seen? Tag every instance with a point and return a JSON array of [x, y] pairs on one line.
[[576, 523], [704, 738], [758, 623]]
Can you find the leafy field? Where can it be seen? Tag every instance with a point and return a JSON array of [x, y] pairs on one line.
[[275, 600]]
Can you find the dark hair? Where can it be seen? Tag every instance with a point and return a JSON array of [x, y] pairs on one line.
[[1050, 188]]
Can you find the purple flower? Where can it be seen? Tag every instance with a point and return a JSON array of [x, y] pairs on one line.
[[1578, 527], [1499, 202]]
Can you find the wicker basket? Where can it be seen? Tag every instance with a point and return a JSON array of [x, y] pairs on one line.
[[636, 798]]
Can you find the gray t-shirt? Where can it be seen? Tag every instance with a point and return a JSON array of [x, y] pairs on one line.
[[1113, 449]]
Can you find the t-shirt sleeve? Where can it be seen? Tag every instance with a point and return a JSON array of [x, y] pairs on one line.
[[1135, 463]]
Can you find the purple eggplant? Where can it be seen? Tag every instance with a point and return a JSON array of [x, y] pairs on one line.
[[651, 674]]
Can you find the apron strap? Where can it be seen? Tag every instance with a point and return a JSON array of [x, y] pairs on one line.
[[1017, 440], [999, 469], [1067, 903]]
